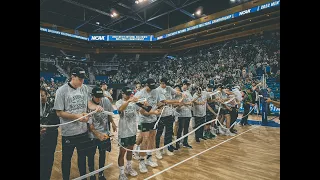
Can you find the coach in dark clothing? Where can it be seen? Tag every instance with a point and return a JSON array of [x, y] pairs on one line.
[[247, 102], [48, 136]]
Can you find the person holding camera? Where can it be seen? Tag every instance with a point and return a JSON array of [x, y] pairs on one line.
[[48, 136]]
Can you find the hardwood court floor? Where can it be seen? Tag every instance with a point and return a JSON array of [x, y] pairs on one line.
[[253, 155]]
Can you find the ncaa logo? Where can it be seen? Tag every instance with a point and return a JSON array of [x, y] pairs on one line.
[[244, 12], [97, 38]]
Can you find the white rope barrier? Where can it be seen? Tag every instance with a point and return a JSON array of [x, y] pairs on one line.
[[152, 150], [155, 125], [56, 125], [93, 172]]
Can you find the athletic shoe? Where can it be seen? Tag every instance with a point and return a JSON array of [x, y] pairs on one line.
[[142, 167], [177, 145], [174, 148], [122, 177], [129, 170], [151, 163], [135, 155], [163, 151], [187, 146], [101, 177], [211, 135], [228, 133], [169, 153], [158, 154], [203, 138], [221, 131]]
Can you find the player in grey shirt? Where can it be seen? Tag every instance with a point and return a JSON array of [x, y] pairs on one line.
[[127, 130], [185, 115], [200, 101], [71, 103], [225, 108], [166, 119], [100, 131], [148, 118]]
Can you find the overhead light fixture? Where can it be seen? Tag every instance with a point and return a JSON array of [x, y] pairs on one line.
[[97, 23], [137, 2], [198, 11], [113, 13]]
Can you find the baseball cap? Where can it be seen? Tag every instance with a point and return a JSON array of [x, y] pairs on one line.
[[78, 71], [151, 83], [164, 80], [186, 82], [127, 91], [177, 86], [97, 92], [143, 82], [210, 85], [103, 83], [238, 87], [219, 86], [228, 86]]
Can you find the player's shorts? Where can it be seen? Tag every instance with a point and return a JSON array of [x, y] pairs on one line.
[[128, 141], [145, 127]]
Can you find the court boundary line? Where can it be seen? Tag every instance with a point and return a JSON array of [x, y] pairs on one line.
[[198, 154]]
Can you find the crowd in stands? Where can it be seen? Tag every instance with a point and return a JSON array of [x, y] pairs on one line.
[[237, 61], [241, 62], [68, 65]]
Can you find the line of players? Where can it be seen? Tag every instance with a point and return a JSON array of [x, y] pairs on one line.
[[172, 105]]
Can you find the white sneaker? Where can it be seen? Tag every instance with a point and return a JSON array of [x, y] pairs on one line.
[[136, 156], [163, 151], [213, 132], [169, 153], [129, 170], [158, 154], [142, 167], [122, 177], [221, 130], [228, 133], [151, 163]]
